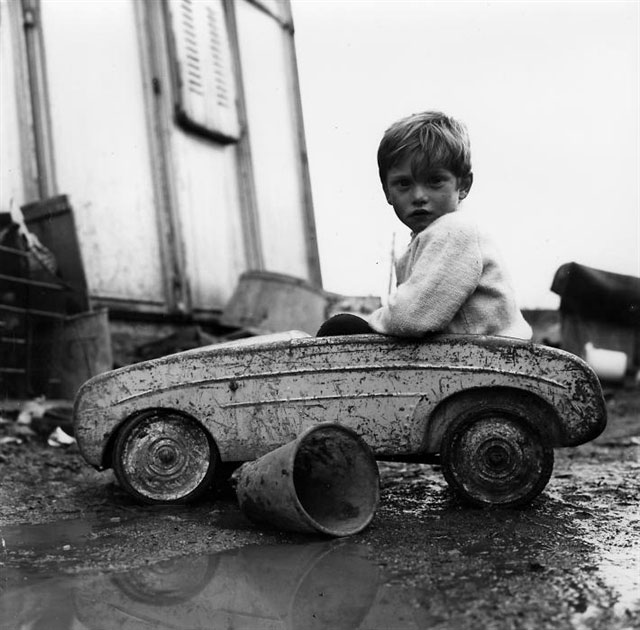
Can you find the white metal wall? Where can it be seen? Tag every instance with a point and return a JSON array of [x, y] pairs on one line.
[[273, 138], [101, 144], [11, 172], [209, 210], [144, 223]]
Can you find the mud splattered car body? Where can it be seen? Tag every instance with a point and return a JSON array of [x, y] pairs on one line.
[[405, 398]]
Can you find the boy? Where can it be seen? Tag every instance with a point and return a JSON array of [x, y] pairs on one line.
[[451, 278]]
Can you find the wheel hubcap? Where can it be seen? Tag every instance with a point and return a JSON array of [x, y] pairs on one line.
[[165, 458], [496, 459]]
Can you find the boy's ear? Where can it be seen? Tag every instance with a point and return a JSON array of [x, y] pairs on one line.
[[465, 186]]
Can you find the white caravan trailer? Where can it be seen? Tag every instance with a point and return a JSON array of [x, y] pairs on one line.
[[160, 146]]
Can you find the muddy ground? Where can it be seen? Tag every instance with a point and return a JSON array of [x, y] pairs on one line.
[[77, 553]]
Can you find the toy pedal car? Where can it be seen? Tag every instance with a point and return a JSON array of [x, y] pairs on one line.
[[490, 409]]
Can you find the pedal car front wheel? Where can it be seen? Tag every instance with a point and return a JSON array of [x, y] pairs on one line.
[[496, 457], [162, 456]]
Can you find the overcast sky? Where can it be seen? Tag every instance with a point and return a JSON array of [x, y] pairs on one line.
[[549, 91]]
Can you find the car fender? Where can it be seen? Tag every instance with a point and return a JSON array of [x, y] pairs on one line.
[[106, 401]]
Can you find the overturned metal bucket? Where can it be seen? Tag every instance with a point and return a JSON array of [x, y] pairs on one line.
[[325, 481]]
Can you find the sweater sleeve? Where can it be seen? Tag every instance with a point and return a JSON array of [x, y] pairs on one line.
[[446, 271]]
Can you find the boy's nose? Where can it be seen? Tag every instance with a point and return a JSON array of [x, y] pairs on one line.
[[419, 192]]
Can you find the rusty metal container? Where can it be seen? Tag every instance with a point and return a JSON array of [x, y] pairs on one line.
[[82, 349], [267, 302], [325, 481]]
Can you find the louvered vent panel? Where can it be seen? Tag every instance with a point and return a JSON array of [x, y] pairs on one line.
[[207, 91]]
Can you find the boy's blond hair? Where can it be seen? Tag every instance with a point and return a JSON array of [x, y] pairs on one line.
[[431, 140]]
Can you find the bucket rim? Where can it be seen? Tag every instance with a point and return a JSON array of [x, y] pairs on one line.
[[366, 449]]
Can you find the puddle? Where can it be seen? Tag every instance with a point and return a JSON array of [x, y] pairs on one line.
[[497, 563], [27, 550], [80, 533], [48, 536], [307, 587]]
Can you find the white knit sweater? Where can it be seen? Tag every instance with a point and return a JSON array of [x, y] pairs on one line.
[[451, 279]]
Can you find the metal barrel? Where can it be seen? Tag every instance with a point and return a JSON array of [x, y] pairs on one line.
[[325, 481]]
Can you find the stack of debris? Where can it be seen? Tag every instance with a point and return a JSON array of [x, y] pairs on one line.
[[40, 419], [50, 339]]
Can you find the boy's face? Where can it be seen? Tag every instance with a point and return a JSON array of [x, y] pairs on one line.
[[419, 202]]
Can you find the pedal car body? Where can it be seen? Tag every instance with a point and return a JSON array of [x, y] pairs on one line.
[[493, 408]]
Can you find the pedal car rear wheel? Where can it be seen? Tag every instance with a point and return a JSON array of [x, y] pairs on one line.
[[162, 456], [496, 457]]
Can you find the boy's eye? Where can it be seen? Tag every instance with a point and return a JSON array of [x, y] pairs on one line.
[[435, 180], [403, 182]]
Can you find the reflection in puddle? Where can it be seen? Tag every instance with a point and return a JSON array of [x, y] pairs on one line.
[[498, 564], [308, 587]]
